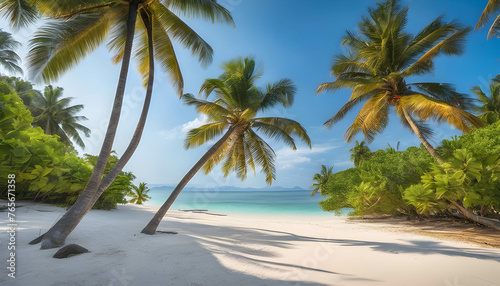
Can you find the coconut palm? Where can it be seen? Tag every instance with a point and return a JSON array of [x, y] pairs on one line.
[[9, 60], [78, 28], [360, 153], [232, 114], [492, 9], [320, 179], [53, 113], [490, 108], [23, 88], [140, 194], [380, 60]]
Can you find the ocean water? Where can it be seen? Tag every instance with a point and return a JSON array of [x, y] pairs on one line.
[[286, 202]]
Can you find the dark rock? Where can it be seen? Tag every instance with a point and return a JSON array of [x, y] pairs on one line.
[[70, 250]]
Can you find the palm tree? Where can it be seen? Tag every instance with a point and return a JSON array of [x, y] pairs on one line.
[[491, 9], [54, 115], [140, 194], [379, 62], [23, 88], [491, 105], [9, 60], [76, 29], [360, 153], [320, 179], [233, 114]]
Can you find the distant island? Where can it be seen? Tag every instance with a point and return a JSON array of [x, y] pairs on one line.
[[230, 188]]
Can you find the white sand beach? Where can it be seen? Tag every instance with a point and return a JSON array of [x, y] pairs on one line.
[[239, 249]]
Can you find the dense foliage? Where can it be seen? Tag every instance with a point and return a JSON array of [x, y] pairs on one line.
[[46, 169], [410, 182]]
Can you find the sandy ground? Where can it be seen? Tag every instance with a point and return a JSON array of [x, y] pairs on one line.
[[239, 249]]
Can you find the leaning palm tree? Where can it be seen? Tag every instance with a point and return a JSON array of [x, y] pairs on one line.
[[490, 108], [232, 114], [379, 62], [492, 9], [9, 60], [78, 28], [139, 194], [360, 153], [320, 179], [53, 113]]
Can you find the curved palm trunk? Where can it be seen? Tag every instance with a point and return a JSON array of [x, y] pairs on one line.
[[136, 138], [475, 218], [155, 221], [57, 234], [428, 146]]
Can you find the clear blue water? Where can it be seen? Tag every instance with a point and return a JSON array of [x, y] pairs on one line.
[[288, 202]]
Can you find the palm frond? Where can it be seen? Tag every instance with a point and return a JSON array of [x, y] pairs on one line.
[[206, 9], [281, 129], [428, 108], [282, 91], [198, 136], [263, 155], [491, 8], [59, 45], [181, 32], [19, 13], [211, 109]]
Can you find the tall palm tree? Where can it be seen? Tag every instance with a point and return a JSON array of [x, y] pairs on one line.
[[320, 179], [78, 28], [360, 153], [492, 9], [9, 60], [53, 113], [490, 108], [379, 62], [140, 194], [232, 114]]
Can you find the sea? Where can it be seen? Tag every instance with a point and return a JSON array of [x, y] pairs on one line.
[[256, 201]]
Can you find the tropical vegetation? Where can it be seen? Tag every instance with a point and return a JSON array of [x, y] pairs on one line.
[[491, 10], [320, 179], [380, 60], [53, 113], [9, 60], [74, 30], [46, 169], [233, 114], [139, 194], [490, 105]]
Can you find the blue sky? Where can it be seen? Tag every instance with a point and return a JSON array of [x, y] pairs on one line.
[[292, 39]]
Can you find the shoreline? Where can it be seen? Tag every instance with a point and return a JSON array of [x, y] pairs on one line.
[[240, 250]]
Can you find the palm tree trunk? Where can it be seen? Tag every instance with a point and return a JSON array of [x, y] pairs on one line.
[[57, 234], [155, 221], [428, 146], [136, 138], [475, 218]]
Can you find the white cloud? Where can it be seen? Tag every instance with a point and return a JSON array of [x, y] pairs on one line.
[[180, 131], [288, 158]]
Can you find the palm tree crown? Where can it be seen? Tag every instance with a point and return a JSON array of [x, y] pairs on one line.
[[380, 60], [54, 115], [9, 60], [320, 179], [490, 107], [492, 8], [140, 194], [360, 153], [75, 30], [236, 105]]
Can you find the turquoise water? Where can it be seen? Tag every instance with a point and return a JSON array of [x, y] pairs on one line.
[[297, 202]]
